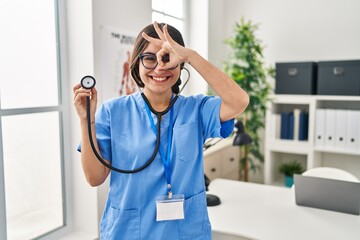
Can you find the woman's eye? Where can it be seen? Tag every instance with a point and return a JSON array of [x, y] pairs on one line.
[[150, 58]]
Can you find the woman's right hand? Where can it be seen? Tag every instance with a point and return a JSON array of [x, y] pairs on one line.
[[80, 95], [95, 172]]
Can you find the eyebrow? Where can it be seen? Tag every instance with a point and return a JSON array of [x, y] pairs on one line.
[[148, 53]]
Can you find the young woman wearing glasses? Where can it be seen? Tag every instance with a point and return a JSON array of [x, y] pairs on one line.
[[167, 199]]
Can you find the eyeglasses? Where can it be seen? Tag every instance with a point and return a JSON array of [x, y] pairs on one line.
[[149, 60]]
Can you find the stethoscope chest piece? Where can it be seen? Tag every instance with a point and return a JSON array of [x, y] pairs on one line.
[[88, 82]]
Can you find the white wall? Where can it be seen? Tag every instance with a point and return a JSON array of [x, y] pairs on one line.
[[196, 37], [80, 62], [291, 30], [132, 16]]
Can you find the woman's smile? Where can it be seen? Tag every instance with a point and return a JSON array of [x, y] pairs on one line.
[[160, 78]]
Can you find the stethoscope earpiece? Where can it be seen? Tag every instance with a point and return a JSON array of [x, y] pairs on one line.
[[88, 82]]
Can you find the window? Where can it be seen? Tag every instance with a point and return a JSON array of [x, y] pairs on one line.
[[169, 11], [32, 199]]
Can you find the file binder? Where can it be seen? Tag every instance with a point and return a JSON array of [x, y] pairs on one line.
[[340, 130], [296, 123], [303, 126], [320, 128], [287, 125], [291, 126], [353, 130], [276, 123], [330, 125], [284, 125]]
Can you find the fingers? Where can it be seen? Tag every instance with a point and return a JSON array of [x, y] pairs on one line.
[[160, 57], [79, 101], [168, 37], [163, 37], [77, 86], [93, 94], [80, 92], [167, 46], [152, 40], [158, 31]]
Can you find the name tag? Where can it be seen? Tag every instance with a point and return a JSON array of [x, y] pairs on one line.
[[170, 208]]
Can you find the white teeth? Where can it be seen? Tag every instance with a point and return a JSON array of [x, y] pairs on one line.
[[159, 78]]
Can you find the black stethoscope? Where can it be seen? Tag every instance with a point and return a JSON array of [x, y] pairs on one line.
[[88, 82]]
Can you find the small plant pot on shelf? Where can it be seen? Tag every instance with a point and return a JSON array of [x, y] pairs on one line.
[[289, 181], [289, 169]]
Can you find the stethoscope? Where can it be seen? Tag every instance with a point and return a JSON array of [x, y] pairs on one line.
[[88, 82]]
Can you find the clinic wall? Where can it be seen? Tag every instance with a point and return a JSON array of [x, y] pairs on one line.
[[130, 16], [80, 62], [196, 37], [296, 30]]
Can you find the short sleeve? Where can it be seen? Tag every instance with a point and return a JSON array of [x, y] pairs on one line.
[[227, 128], [210, 118], [103, 133]]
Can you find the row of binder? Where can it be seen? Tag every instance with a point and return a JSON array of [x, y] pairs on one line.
[[291, 125], [337, 128]]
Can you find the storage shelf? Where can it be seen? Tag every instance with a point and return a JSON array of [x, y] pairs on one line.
[[279, 150], [292, 99], [338, 151], [303, 99], [290, 146]]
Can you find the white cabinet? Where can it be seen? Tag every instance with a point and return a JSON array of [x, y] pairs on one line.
[[313, 152], [222, 160]]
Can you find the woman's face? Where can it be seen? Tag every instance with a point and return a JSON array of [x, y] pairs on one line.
[[158, 80]]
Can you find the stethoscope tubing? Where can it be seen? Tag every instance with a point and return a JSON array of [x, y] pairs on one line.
[[152, 158], [158, 117]]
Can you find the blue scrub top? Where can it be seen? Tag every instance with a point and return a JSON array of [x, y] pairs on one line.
[[126, 138]]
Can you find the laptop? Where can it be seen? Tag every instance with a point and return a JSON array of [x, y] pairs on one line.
[[329, 194]]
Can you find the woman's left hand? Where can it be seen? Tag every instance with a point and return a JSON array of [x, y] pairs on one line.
[[177, 53], [234, 98]]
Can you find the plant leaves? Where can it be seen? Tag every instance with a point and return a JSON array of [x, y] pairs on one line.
[[246, 67]]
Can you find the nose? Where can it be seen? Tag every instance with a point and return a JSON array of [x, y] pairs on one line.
[[159, 68]]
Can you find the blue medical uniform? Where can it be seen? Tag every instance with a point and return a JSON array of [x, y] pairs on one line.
[[126, 138]]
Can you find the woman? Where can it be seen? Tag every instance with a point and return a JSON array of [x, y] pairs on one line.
[[167, 199]]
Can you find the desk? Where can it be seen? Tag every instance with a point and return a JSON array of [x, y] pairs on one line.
[[256, 211]]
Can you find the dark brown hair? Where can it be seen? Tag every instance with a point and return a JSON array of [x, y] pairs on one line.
[[141, 44]]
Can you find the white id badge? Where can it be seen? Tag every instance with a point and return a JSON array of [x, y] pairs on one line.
[[170, 208]]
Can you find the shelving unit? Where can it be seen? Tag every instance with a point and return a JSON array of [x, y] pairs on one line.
[[280, 150]]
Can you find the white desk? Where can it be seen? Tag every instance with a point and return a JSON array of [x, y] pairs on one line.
[[256, 211]]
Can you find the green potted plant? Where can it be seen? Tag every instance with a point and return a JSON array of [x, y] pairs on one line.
[[246, 66], [289, 169]]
